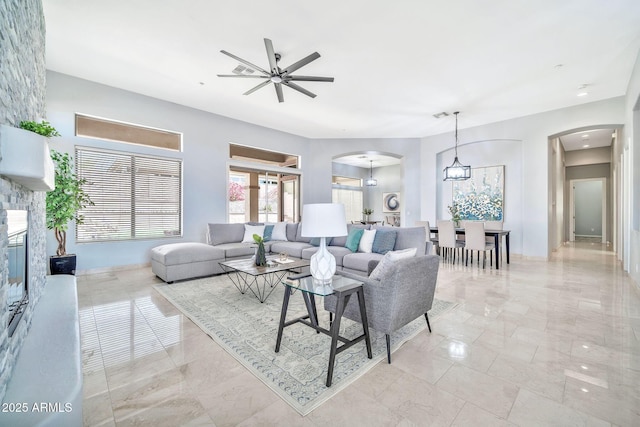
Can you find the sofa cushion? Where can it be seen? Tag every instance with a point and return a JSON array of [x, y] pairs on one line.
[[353, 239], [389, 259], [299, 237], [233, 250], [293, 249], [337, 251], [384, 241], [225, 233], [411, 237], [292, 232], [250, 230], [185, 252], [366, 242], [359, 261]]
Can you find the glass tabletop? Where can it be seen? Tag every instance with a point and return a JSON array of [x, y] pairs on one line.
[[274, 265], [307, 284]]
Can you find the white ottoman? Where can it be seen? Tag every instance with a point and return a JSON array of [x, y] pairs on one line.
[[179, 261]]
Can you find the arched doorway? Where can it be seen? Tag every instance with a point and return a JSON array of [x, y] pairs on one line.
[[351, 173]]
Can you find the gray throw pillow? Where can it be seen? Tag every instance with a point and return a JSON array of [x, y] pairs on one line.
[[384, 241]]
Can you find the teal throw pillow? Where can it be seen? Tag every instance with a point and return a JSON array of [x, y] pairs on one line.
[[353, 239], [268, 229], [384, 241]]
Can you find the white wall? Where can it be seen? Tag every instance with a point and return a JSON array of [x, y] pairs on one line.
[[205, 137], [532, 133], [631, 228], [322, 151]]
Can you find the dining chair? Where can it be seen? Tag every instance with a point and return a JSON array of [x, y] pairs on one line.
[[430, 238], [476, 241], [494, 225], [447, 241]]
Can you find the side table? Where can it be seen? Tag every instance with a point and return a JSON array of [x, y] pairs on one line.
[[343, 288]]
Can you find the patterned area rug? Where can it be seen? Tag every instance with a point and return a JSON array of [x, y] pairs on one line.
[[247, 329]]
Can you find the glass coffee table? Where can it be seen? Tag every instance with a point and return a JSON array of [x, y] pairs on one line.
[[342, 288], [261, 281]]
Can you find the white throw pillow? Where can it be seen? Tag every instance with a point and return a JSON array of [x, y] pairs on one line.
[[388, 260], [279, 231], [250, 230], [366, 241]]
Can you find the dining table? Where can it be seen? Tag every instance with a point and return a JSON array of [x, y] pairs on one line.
[[497, 239]]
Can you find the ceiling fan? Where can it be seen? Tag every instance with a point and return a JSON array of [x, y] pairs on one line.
[[276, 75]]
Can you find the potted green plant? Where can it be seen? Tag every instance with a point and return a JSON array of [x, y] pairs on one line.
[[63, 204], [43, 128], [367, 212], [455, 215]]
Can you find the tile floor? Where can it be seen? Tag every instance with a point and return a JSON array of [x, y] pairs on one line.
[[534, 344]]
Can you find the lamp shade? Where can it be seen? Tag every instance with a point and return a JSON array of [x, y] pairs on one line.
[[324, 220]]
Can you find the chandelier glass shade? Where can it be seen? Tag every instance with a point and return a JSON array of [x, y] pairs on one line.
[[457, 171]]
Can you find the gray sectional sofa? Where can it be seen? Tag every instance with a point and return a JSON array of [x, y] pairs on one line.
[[179, 261]]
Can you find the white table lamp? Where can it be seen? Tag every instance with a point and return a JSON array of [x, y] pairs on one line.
[[323, 220]]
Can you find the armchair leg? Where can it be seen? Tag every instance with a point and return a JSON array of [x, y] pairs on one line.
[[426, 316]]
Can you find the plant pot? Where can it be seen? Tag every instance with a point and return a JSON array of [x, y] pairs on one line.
[[65, 264]]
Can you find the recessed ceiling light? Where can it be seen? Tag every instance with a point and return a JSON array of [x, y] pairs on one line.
[[585, 135], [583, 93], [585, 146]]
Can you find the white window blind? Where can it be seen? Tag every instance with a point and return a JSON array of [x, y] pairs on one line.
[[136, 197], [352, 201]]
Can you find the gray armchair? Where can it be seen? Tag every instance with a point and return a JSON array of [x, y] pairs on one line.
[[399, 297]]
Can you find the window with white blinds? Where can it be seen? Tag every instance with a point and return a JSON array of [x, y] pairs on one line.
[[352, 201], [135, 196]]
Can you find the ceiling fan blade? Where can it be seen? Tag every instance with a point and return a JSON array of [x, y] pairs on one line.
[[304, 61], [279, 92], [260, 86], [255, 67], [242, 76], [300, 89], [309, 79], [271, 54]]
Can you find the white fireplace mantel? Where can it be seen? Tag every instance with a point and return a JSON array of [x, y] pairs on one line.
[[25, 158]]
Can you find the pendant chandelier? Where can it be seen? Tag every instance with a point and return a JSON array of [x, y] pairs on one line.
[[457, 171], [370, 182]]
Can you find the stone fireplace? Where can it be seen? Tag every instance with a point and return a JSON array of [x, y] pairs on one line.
[[22, 97]]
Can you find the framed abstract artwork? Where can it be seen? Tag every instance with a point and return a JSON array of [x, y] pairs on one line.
[[391, 202], [481, 198]]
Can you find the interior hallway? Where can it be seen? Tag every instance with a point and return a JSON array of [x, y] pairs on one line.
[[535, 343]]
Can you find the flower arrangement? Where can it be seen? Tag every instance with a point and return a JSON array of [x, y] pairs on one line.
[[367, 211]]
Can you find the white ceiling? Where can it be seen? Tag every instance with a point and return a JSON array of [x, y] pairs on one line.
[[593, 138], [395, 63]]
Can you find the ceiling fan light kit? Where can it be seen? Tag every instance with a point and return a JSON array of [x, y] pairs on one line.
[[277, 75], [457, 171]]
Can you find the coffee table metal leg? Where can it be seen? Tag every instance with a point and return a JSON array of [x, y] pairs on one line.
[[283, 315]]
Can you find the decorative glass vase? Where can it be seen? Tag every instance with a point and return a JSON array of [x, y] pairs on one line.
[[261, 256]]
